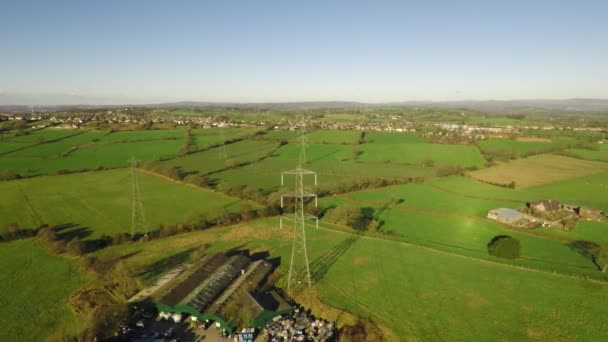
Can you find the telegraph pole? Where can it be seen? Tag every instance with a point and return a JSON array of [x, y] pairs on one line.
[[299, 270], [138, 218]]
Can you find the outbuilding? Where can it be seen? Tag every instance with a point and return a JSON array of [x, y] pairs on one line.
[[505, 215]]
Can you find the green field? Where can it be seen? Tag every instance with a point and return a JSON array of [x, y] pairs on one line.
[[214, 159], [206, 137], [100, 203], [520, 148], [90, 157], [34, 287], [538, 170], [600, 154], [407, 148], [456, 223], [333, 163], [334, 137]]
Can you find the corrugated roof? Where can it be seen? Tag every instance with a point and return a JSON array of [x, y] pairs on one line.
[[507, 212]]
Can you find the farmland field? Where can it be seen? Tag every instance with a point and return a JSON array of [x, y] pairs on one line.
[[537, 170], [34, 287], [406, 148], [333, 163], [600, 154], [214, 160], [520, 148], [334, 137], [87, 157], [99, 203], [455, 223]]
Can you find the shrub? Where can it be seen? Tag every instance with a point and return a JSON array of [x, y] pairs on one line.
[[504, 246]]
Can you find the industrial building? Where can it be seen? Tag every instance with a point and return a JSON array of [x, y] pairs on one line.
[[206, 289]]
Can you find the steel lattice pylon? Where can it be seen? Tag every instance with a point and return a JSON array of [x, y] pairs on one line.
[[299, 270], [138, 218]]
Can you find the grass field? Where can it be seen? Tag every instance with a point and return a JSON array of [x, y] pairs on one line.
[[600, 154], [407, 148], [333, 163], [34, 287], [585, 190], [127, 136], [522, 147], [100, 202], [537, 170], [87, 157], [213, 160], [417, 293], [334, 137], [456, 223], [203, 138]]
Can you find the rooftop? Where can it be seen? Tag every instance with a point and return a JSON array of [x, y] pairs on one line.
[[507, 212]]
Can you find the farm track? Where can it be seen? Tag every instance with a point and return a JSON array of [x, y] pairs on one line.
[[486, 261]]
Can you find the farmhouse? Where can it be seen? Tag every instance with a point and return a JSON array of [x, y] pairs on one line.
[[559, 210], [544, 206], [212, 287], [505, 215]]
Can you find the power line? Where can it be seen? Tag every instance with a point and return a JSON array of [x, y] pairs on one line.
[[299, 269], [139, 221]]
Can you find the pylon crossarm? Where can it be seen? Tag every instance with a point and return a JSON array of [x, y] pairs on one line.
[[295, 194], [297, 171], [306, 216]]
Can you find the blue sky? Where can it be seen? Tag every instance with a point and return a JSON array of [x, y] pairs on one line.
[[256, 51]]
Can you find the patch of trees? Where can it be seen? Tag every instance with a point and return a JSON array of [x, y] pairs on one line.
[[354, 217], [361, 330], [13, 231], [52, 242], [510, 185], [362, 138], [67, 172], [504, 246], [9, 175], [187, 146], [362, 183], [592, 251], [172, 172], [450, 170]]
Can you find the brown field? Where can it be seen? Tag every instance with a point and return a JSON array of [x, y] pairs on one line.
[[539, 170], [533, 139]]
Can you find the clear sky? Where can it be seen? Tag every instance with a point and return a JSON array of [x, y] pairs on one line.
[[256, 51]]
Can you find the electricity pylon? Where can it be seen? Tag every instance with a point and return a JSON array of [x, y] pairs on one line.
[[222, 150], [299, 270], [138, 218]]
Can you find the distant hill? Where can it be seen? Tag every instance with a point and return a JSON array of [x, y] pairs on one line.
[[489, 106]]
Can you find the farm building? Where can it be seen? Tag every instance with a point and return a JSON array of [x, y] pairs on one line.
[[590, 214], [544, 206], [505, 215], [208, 289], [553, 207]]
